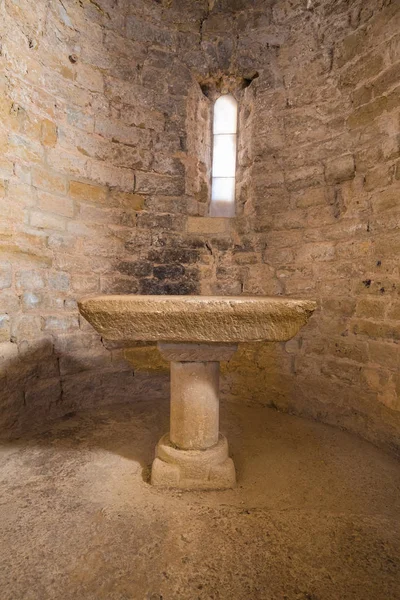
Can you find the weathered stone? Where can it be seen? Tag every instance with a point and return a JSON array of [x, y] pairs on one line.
[[366, 67], [152, 183], [49, 180], [196, 319], [31, 280], [304, 178], [49, 133], [59, 281], [87, 192], [4, 328], [210, 225], [146, 358], [371, 308], [5, 275], [125, 200], [340, 169], [55, 204], [45, 220], [62, 324], [367, 113]]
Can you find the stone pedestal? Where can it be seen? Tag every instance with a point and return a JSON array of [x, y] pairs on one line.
[[194, 455]]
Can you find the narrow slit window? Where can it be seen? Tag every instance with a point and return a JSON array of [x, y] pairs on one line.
[[224, 157]]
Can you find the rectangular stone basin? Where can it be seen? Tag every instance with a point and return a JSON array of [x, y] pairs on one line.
[[206, 319]]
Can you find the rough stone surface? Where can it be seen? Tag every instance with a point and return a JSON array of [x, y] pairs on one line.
[[314, 514], [196, 318], [207, 469], [105, 115], [194, 455], [194, 405], [196, 352]]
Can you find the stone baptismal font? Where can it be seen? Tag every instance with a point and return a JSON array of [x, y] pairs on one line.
[[195, 333]]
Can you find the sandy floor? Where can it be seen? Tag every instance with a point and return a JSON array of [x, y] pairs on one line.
[[315, 516]]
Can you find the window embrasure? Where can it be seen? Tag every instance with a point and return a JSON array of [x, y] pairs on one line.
[[224, 157]]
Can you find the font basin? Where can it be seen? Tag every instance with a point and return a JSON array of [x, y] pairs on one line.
[[199, 319]]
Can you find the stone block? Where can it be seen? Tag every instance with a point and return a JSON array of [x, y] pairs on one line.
[[376, 330], [366, 114], [59, 323], [85, 361], [147, 220], [31, 300], [260, 279], [386, 199], [8, 354], [394, 312], [77, 342], [382, 353], [84, 284], [24, 149], [25, 327], [153, 183], [89, 77], [378, 177], [80, 120], [44, 220], [190, 352], [317, 196], [393, 100], [211, 225], [49, 133], [146, 358], [124, 134], [30, 280], [340, 169], [342, 371], [365, 68], [320, 252], [304, 177], [105, 174], [388, 79], [5, 331], [59, 281], [140, 30], [72, 164], [5, 275], [397, 171], [284, 239], [59, 205], [49, 180], [9, 301], [362, 95], [371, 308], [126, 200]]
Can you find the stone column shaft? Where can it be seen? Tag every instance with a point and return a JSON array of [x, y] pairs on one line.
[[194, 405]]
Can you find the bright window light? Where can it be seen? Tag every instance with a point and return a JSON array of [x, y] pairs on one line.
[[224, 157]]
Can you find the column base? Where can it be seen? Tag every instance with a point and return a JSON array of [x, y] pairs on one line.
[[209, 469]]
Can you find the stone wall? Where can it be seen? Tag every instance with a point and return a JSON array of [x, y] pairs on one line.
[[92, 117], [324, 189], [105, 121]]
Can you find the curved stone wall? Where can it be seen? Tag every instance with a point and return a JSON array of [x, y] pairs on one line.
[[93, 138], [105, 122], [324, 188]]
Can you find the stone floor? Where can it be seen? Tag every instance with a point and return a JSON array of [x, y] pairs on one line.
[[315, 516]]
